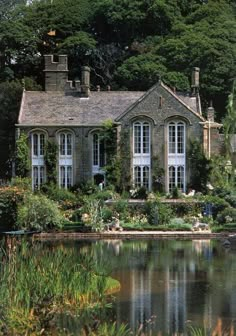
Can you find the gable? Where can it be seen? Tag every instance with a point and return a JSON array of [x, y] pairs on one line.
[[160, 103]]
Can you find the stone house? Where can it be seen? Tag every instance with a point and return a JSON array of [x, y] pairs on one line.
[[154, 129]]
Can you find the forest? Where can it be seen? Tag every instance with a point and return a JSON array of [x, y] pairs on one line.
[[128, 44]]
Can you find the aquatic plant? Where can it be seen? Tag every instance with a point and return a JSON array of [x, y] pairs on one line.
[[40, 282]]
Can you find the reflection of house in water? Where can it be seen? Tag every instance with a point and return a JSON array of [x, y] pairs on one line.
[[175, 287]]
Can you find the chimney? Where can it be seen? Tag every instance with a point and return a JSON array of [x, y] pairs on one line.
[[56, 72], [210, 113], [195, 80], [85, 80]]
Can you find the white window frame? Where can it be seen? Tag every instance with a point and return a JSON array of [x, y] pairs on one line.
[[176, 174], [141, 154], [139, 140], [38, 169], [98, 154], [65, 159]]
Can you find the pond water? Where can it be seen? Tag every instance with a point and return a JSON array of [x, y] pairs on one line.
[[168, 285]]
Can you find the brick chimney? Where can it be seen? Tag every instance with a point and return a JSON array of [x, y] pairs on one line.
[[56, 72]]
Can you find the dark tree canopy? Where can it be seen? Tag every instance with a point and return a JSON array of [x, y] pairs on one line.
[[128, 44]]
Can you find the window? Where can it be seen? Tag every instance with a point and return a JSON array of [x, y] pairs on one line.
[[65, 160], [141, 154], [38, 176], [99, 156], [141, 177], [65, 176], [176, 155], [38, 144], [176, 138], [65, 144], [37, 159], [141, 138]]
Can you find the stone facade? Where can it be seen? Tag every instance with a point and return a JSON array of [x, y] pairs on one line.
[[154, 129]]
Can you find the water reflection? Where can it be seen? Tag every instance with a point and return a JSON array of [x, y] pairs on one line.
[[166, 285]]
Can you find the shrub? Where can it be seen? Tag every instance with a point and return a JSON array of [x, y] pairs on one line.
[[10, 197], [92, 214], [228, 215], [65, 198], [218, 204], [140, 193], [39, 213], [121, 207], [107, 214], [158, 213], [186, 208]]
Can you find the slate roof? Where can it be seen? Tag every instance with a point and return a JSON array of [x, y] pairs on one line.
[[56, 108]]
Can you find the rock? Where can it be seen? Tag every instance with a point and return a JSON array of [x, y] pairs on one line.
[[198, 226]]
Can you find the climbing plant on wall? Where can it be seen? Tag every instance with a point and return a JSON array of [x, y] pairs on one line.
[[22, 156], [230, 128], [200, 166], [51, 151]]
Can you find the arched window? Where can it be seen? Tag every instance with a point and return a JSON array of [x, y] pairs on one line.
[[98, 153], [141, 154], [65, 144], [37, 158], [176, 155], [65, 159], [141, 137]]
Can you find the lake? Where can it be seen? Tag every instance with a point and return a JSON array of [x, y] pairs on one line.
[[169, 285]]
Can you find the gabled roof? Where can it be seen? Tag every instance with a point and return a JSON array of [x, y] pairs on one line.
[[56, 108], [191, 103]]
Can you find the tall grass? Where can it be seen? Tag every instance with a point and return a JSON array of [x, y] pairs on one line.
[[39, 282]]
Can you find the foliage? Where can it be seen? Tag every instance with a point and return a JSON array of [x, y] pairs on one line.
[[200, 166], [228, 215], [227, 193], [139, 193], [51, 151], [140, 226], [157, 175], [10, 198], [121, 207], [38, 282], [219, 175], [38, 212], [109, 136], [22, 156], [107, 329], [218, 204], [10, 96], [230, 127], [92, 214], [186, 208], [158, 213]]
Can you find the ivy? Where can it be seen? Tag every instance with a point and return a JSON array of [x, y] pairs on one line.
[[200, 166], [22, 156], [51, 151]]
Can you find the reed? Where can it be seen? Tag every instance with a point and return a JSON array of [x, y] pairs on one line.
[[39, 282]]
